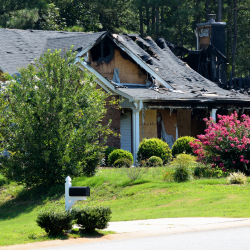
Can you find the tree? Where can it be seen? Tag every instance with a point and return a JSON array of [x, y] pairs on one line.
[[50, 122]]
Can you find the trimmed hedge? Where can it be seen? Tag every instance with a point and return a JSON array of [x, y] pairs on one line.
[[154, 147], [182, 145], [54, 221], [155, 161], [122, 162], [107, 153], [91, 218], [118, 154]]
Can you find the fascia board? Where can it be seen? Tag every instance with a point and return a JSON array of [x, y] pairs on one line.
[[91, 45], [142, 64], [101, 80]]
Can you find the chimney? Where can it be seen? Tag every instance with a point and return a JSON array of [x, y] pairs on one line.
[[211, 32]]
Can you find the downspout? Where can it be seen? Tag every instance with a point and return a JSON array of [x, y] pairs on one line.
[[136, 127]]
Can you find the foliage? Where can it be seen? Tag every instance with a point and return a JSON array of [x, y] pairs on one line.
[[135, 172], [182, 173], [206, 171], [91, 218], [154, 147], [118, 154], [181, 145], [183, 164], [226, 143], [21, 19], [122, 162], [155, 161], [54, 221], [237, 178], [50, 18], [50, 122], [107, 153]]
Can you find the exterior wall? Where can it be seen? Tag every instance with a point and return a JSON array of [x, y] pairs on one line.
[[113, 113], [130, 72], [205, 40], [149, 127], [198, 125], [184, 122], [126, 130], [169, 121]]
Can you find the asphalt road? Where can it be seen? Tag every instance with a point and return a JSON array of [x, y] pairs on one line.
[[219, 239]]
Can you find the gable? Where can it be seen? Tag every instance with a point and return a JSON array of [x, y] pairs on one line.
[[106, 56]]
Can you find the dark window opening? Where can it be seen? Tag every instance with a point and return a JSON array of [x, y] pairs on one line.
[[103, 51]]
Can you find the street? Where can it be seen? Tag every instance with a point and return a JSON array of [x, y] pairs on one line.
[[230, 239]]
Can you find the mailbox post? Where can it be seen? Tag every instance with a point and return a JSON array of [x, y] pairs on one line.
[[74, 194]]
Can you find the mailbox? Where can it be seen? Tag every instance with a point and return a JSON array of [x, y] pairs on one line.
[[79, 191]]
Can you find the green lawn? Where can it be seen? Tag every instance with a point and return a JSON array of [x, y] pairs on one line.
[[146, 198]]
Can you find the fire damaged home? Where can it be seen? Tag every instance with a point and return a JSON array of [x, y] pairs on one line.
[[160, 94]]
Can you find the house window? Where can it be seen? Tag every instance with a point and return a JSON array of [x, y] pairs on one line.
[[103, 51]]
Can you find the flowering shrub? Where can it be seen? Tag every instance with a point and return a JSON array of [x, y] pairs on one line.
[[226, 144]]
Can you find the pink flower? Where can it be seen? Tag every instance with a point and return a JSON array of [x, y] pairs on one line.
[[234, 162], [224, 169], [221, 165], [232, 145]]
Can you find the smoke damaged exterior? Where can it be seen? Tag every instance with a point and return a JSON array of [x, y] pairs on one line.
[[212, 33]]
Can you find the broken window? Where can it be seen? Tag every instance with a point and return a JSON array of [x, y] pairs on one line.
[[103, 51]]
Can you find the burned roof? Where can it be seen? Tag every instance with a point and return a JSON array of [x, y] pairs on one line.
[[18, 48], [186, 83]]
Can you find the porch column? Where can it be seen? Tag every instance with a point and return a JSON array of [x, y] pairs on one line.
[[136, 128], [136, 133], [213, 114]]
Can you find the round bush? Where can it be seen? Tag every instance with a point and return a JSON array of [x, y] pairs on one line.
[[182, 173], [91, 218], [182, 145], [107, 153], [154, 147], [54, 221], [155, 161], [237, 178], [118, 154], [122, 162]]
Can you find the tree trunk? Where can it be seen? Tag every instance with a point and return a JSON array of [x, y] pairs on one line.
[[153, 21], [207, 8], [157, 20], [141, 20], [235, 38], [147, 17], [219, 11]]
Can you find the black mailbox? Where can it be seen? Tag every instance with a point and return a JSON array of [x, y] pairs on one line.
[[79, 191]]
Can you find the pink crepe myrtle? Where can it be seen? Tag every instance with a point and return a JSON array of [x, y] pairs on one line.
[[225, 144]]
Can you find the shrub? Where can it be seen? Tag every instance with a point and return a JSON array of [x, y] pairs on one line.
[[122, 162], [155, 161], [183, 164], [91, 218], [54, 221], [226, 144], [206, 171], [107, 153], [237, 178], [154, 147], [62, 136], [182, 173], [118, 154], [182, 145]]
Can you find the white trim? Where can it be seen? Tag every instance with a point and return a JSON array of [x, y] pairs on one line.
[[109, 86], [142, 64], [136, 127], [213, 114]]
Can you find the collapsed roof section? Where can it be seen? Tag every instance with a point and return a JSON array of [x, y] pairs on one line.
[[172, 79]]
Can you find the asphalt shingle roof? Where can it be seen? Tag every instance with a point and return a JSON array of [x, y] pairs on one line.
[[18, 48]]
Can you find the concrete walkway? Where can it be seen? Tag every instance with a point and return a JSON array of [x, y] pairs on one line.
[[144, 228]]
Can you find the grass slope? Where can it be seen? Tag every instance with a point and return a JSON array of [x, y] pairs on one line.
[[146, 198]]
